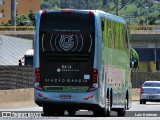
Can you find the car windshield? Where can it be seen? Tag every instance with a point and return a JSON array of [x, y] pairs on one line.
[[151, 84]]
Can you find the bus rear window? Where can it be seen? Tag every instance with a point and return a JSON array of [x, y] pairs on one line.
[[66, 32]]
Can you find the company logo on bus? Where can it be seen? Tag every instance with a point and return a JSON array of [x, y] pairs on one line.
[[68, 42]]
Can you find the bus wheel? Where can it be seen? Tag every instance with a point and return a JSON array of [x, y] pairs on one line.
[[122, 112], [108, 112], [60, 113], [48, 113], [109, 104], [71, 112], [101, 112]]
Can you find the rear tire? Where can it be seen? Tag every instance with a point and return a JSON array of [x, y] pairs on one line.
[[109, 103], [122, 112], [60, 113], [48, 112], [101, 112], [71, 112], [142, 102]]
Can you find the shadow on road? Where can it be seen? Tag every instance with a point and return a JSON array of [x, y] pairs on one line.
[[82, 114]]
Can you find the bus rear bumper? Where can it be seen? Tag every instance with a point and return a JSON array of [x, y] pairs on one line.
[[81, 100]]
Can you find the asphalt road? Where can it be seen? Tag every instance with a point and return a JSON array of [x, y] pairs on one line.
[[149, 111]]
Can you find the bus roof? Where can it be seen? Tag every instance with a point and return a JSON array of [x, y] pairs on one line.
[[96, 12], [110, 16]]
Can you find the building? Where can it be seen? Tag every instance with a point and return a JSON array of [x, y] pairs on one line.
[[23, 7]]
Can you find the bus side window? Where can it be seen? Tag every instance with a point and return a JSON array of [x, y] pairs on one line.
[[102, 25], [126, 39]]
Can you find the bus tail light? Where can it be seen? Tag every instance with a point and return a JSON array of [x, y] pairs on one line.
[[94, 84], [91, 12], [37, 72], [44, 12], [37, 83], [67, 11]]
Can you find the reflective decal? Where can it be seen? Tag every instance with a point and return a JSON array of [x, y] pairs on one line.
[[86, 77]]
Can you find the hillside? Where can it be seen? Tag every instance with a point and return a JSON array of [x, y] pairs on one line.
[[134, 11]]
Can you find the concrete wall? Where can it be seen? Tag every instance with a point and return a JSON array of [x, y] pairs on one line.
[[25, 97], [135, 94], [18, 97]]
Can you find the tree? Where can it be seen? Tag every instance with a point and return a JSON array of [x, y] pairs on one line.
[[150, 21], [32, 18], [23, 20], [104, 2]]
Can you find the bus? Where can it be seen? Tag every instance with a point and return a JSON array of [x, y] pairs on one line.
[[82, 61]]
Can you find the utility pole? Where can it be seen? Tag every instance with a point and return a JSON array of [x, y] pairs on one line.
[[116, 4], [13, 12]]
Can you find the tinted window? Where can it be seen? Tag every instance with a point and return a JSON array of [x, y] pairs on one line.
[[151, 85], [61, 32], [66, 44]]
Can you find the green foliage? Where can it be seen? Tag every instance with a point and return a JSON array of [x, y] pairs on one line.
[[23, 20], [26, 20], [7, 24], [32, 18], [133, 11]]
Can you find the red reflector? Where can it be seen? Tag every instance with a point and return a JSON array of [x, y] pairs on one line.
[[91, 12], [40, 95], [67, 11], [90, 96], [44, 12]]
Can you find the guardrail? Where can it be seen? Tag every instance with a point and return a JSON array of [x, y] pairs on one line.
[[144, 27], [17, 28], [32, 28]]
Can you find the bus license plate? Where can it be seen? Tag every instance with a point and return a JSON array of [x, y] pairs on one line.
[[65, 96]]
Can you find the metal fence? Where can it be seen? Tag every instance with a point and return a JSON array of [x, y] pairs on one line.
[[15, 77], [32, 28]]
